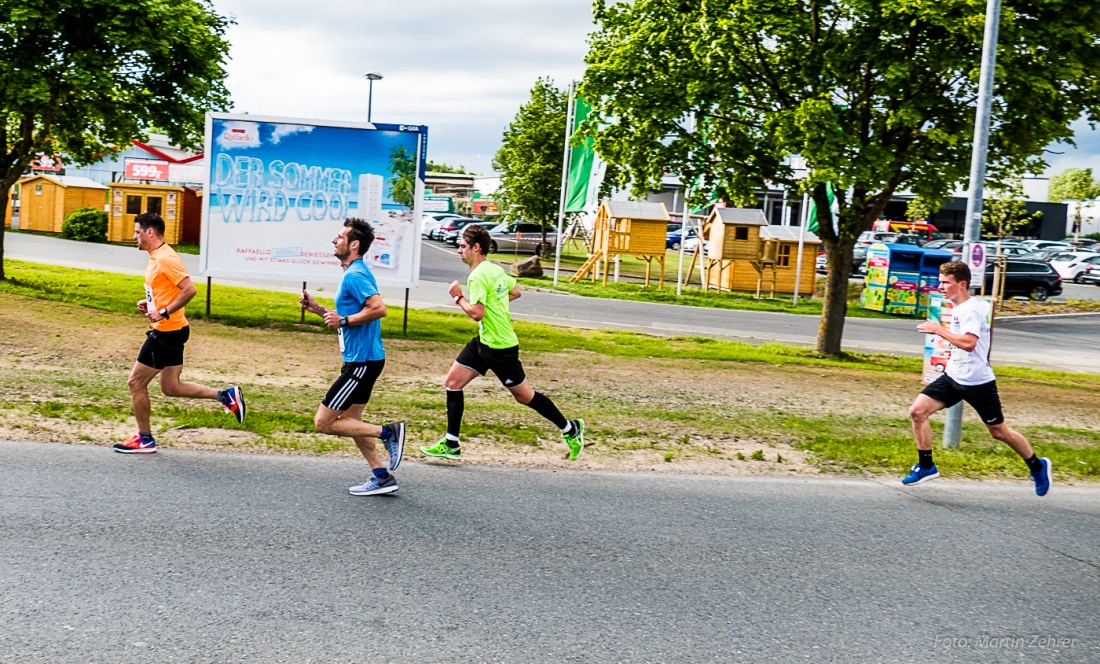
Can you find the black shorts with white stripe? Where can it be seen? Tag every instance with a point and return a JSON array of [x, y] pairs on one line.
[[354, 386]]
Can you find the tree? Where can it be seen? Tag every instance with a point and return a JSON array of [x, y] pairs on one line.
[[1005, 210], [876, 97], [446, 168], [1077, 185], [922, 209], [530, 157], [403, 182], [81, 77]]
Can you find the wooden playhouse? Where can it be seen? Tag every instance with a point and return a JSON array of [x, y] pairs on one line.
[[180, 207], [747, 254], [627, 227], [45, 200]]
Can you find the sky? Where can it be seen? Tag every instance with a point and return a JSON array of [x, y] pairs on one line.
[[462, 68]]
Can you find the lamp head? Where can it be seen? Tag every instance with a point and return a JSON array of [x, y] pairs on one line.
[[372, 76]]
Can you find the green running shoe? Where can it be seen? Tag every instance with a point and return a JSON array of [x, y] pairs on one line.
[[443, 450], [575, 441]]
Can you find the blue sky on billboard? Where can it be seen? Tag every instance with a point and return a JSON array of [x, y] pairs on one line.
[[463, 69]]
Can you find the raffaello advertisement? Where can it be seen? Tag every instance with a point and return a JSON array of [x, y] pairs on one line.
[[278, 190]]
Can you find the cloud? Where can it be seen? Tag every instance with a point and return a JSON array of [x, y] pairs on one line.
[[283, 130], [463, 69], [238, 136]]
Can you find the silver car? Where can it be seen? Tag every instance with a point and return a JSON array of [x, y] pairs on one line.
[[521, 237]]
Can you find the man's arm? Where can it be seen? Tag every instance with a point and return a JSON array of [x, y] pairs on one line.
[[966, 341], [373, 309], [514, 293], [187, 291]]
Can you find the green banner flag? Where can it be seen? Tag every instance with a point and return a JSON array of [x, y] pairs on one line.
[[584, 168], [811, 223]]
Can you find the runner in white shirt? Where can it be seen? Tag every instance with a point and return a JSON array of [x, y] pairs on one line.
[[968, 378]]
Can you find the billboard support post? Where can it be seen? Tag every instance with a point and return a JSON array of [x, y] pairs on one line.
[[209, 283]]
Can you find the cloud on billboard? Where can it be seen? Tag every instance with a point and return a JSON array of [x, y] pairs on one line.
[[238, 136], [283, 130]]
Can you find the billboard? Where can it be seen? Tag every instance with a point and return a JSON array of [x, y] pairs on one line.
[[277, 191]]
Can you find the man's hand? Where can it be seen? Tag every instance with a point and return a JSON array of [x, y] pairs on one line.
[[930, 327], [153, 316], [310, 304], [143, 306], [332, 319], [455, 290]]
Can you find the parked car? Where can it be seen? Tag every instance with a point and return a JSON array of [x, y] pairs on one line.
[[1071, 264], [673, 236], [859, 257], [1032, 279], [871, 237], [1040, 254], [434, 220], [451, 237], [938, 244], [1091, 276], [692, 242], [521, 237], [1033, 245], [451, 224]]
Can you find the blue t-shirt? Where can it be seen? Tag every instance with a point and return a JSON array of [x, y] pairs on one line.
[[359, 343]]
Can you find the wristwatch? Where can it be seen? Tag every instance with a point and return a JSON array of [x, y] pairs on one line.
[[164, 313], [458, 297], [344, 321]]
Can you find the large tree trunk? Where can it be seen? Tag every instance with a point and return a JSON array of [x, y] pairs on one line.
[[835, 306]]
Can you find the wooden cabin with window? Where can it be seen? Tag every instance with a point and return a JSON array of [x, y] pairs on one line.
[[627, 227], [45, 200], [747, 254], [180, 207]]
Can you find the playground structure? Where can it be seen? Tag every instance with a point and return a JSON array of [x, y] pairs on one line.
[[630, 228]]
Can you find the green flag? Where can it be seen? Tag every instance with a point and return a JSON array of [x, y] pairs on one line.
[[585, 168], [811, 223]]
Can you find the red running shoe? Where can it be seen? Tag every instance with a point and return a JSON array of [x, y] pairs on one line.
[[137, 445], [233, 400]]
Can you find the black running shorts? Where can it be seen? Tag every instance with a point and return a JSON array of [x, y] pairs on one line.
[[163, 349], [504, 362], [983, 398], [354, 386]]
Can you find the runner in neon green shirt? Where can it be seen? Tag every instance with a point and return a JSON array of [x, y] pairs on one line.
[[496, 348]]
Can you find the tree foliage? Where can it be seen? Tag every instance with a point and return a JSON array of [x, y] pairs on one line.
[[84, 77], [1005, 210], [436, 167], [530, 157], [403, 182], [876, 97], [1077, 185]]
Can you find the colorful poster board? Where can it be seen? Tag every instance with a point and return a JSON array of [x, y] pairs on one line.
[[937, 350], [277, 191]]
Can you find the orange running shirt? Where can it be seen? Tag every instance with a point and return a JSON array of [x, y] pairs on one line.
[[164, 271]]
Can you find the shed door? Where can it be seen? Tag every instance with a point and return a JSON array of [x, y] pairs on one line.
[[135, 203]]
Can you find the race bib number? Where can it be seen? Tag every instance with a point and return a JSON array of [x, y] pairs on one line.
[[149, 298], [340, 338]]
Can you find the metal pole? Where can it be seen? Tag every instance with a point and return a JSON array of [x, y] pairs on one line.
[[801, 243], [405, 322], [952, 428], [209, 283], [683, 227], [564, 179], [370, 96], [303, 308]]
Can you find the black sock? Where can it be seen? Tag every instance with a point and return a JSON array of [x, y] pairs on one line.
[[455, 405], [1034, 464], [925, 458], [542, 405]]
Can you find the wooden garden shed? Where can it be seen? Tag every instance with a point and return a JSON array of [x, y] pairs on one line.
[[180, 207], [45, 200], [627, 227]]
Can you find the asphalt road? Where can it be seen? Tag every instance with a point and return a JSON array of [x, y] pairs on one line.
[[1073, 346], [214, 557]]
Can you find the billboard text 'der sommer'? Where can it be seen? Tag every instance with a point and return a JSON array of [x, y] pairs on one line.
[[278, 190]]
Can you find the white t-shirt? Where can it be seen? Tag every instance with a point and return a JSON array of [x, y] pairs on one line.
[[970, 368]]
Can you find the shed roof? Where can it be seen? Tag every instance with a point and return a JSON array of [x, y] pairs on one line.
[[787, 234], [742, 216], [637, 210], [68, 181]]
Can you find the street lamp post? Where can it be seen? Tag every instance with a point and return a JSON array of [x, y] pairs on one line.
[[371, 77]]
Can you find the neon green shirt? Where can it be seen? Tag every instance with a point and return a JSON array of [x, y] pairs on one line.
[[489, 284]]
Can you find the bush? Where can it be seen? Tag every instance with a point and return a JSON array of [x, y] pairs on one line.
[[86, 224]]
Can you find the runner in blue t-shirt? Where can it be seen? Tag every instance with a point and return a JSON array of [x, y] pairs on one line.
[[358, 322]]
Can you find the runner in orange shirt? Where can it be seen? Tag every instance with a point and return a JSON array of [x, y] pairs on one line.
[[168, 289]]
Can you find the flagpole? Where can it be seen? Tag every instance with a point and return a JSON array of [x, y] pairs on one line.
[[564, 179], [801, 243], [683, 227]]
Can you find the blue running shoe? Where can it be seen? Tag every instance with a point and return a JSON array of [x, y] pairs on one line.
[[918, 475], [374, 487], [395, 443], [1042, 478]]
